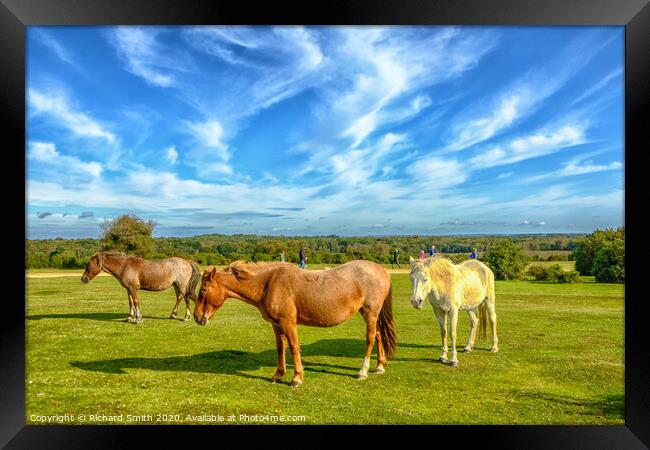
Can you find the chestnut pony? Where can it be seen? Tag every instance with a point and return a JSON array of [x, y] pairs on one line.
[[135, 273], [288, 296]]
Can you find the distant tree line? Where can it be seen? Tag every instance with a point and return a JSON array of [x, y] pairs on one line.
[[507, 255], [219, 249]]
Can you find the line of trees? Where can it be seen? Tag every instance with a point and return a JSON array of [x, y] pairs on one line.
[[507, 255]]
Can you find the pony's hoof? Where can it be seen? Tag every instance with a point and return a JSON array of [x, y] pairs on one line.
[[296, 383], [186, 319], [443, 360], [379, 370], [454, 364], [362, 376], [172, 316], [467, 350], [139, 321], [494, 350], [129, 320]]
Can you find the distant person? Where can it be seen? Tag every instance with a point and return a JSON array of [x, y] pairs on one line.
[[432, 250], [282, 257], [303, 258], [422, 255], [473, 255], [395, 260]]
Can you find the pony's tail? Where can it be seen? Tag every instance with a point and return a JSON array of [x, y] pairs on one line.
[[483, 309], [386, 326], [482, 324], [194, 281]]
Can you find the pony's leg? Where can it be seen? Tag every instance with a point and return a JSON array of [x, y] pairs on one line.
[[453, 324], [131, 316], [371, 333], [279, 345], [138, 314], [473, 322], [381, 355], [442, 321], [188, 314], [493, 321], [179, 297], [290, 330]]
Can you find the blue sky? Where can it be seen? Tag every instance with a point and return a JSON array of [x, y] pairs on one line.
[[325, 130]]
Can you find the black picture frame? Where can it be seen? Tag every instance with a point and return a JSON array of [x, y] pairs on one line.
[[16, 15]]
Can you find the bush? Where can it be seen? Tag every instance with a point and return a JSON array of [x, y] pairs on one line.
[[587, 249], [554, 274], [37, 260], [609, 263], [506, 259], [129, 234]]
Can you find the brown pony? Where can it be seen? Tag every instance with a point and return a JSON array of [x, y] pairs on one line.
[[288, 296], [135, 273]]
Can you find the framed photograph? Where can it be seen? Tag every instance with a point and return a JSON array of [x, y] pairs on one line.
[[416, 213]]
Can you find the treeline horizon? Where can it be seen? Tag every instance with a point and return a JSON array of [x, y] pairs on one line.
[[219, 249]]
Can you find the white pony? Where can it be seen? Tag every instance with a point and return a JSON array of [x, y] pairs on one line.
[[450, 287]]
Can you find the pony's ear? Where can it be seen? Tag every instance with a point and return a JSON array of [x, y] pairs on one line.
[[213, 272]]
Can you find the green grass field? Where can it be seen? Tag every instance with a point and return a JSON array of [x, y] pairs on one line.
[[561, 361]]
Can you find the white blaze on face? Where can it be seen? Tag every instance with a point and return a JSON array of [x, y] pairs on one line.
[[420, 285]]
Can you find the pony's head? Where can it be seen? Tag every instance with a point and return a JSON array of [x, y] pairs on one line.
[[94, 266], [420, 281], [211, 297]]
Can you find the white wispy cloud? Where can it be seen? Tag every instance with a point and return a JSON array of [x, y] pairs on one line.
[[146, 57], [276, 64], [599, 85], [171, 154], [149, 190], [577, 167], [521, 97], [437, 173], [380, 77], [46, 153], [210, 134], [390, 65], [553, 198], [58, 108], [503, 114], [359, 165], [209, 154], [49, 41], [538, 144]]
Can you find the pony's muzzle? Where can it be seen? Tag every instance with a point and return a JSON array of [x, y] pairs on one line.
[[417, 304], [202, 321]]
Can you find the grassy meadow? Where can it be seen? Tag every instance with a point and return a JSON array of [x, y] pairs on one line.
[[561, 361]]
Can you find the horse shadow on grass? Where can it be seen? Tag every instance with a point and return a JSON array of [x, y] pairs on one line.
[[106, 317], [235, 362], [433, 350]]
